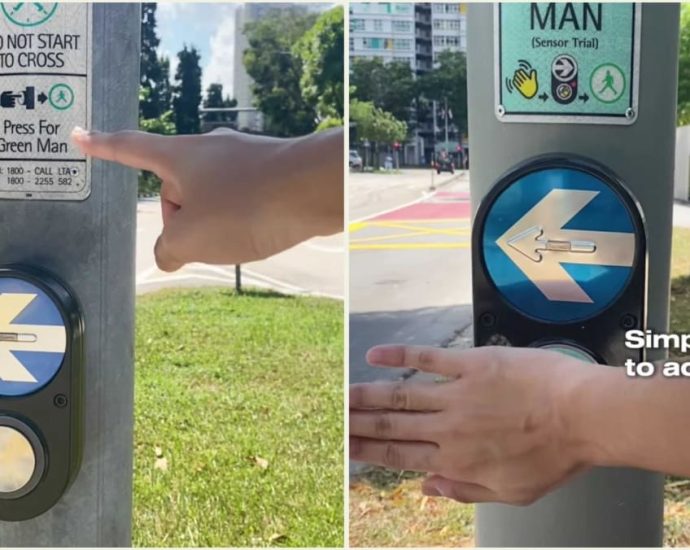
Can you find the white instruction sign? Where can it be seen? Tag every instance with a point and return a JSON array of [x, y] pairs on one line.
[[45, 91]]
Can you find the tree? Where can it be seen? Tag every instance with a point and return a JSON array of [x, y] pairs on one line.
[[277, 72], [321, 51], [376, 125], [390, 86], [448, 82], [187, 91], [214, 98], [684, 67], [154, 71]]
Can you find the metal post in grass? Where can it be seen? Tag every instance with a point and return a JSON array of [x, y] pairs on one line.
[[238, 279], [75, 219], [559, 115]]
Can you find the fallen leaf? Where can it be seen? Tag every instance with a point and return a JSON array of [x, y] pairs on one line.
[[261, 462], [277, 537], [161, 464], [425, 499], [159, 452]]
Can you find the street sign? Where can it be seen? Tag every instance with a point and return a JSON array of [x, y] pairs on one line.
[[567, 62], [32, 338], [559, 244], [45, 91]]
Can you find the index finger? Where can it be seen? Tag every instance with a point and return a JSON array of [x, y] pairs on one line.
[[451, 363], [132, 148]]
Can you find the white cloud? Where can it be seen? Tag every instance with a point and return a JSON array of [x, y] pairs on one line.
[[220, 66]]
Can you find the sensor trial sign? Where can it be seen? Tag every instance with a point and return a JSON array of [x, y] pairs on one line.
[[567, 62], [45, 91]]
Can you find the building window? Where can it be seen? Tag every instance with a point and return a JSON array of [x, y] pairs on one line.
[[402, 26], [402, 44], [356, 24], [402, 8], [378, 24], [372, 43]]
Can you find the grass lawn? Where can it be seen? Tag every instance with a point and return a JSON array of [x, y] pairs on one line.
[[239, 420], [388, 509]]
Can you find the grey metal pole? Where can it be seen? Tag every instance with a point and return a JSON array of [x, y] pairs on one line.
[[606, 507], [90, 245]]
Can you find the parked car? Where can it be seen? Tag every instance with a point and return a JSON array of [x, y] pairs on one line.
[[355, 160], [444, 164]]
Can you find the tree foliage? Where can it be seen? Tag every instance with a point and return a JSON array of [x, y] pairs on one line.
[[376, 125], [448, 82], [277, 71], [390, 86], [684, 67], [187, 91], [214, 98], [154, 71], [321, 51]]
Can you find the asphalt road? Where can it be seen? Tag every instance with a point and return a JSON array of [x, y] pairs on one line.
[[314, 268], [410, 264]]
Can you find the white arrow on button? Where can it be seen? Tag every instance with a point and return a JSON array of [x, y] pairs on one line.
[[538, 244], [51, 339]]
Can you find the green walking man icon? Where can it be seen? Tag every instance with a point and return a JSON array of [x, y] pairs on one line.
[[608, 83], [61, 97]]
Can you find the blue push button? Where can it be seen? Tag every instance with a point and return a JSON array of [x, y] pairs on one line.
[[33, 338], [559, 244]]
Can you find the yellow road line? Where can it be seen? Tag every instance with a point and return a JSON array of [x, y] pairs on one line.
[[408, 246], [454, 232], [386, 237], [422, 220]]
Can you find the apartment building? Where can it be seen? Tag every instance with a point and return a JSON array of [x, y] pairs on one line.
[[415, 34]]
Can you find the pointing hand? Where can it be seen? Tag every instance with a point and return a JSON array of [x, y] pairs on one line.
[[229, 197], [526, 84]]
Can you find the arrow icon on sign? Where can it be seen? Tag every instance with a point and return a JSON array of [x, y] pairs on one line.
[[42, 98], [564, 67], [13, 337], [538, 244]]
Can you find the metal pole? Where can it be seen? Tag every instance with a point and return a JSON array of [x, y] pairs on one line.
[[238, 279], [605, 507], [445, 113], [90, 245]]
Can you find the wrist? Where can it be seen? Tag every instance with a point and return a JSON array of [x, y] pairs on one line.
[[588, 413], [313, 170]]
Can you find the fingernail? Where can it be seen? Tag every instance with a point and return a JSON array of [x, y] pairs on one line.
[[79, 134], [376, 356]]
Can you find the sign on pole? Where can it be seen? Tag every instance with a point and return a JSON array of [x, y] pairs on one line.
[[45, 86], [567, 62]]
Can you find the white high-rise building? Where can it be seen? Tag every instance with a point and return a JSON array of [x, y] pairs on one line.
[[383, 30], [412, 33], [415, 34], [242, 82], [448, 28]]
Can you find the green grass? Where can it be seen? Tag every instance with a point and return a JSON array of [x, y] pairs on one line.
[[388, 509], [239, 422]]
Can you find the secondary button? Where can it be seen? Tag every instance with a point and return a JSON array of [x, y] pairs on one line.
[[17, 461]]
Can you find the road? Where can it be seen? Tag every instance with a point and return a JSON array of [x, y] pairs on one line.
[[410, 264], [315, 267]]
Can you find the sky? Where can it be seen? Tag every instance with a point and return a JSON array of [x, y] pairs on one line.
[[208, 27]]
